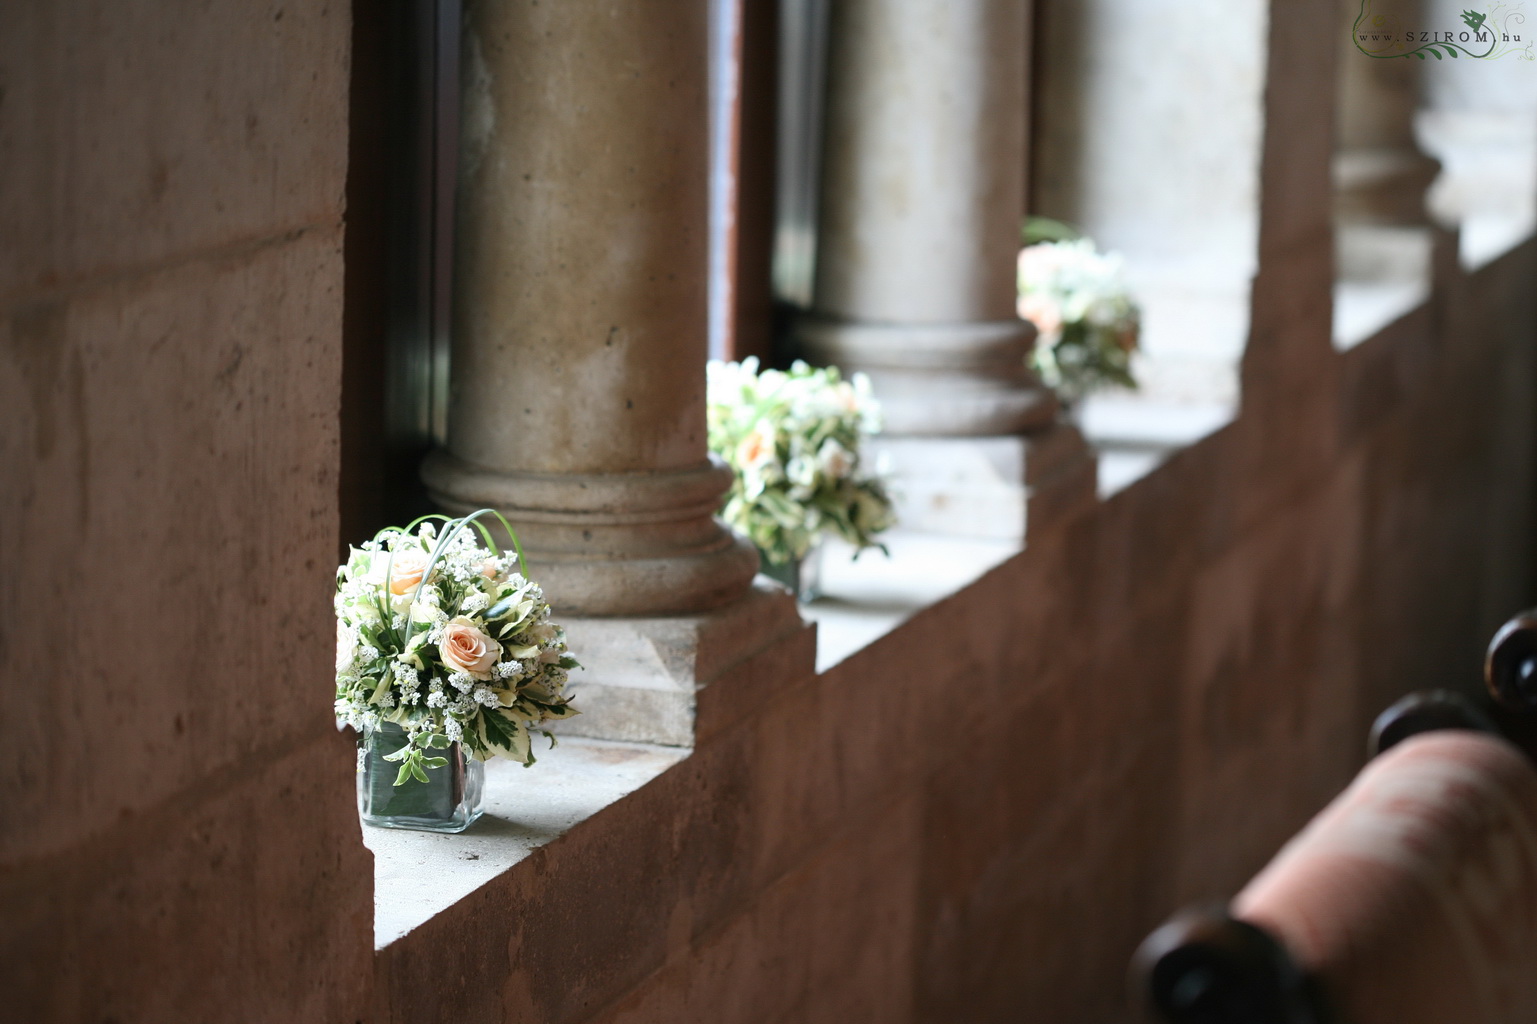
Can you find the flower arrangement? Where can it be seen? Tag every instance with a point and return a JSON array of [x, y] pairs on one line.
[[1079, 302], [794, 440], [440, 636]]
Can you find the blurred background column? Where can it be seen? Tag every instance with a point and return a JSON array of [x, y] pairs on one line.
[[922, 196], [1384, 241], [1381, 175]]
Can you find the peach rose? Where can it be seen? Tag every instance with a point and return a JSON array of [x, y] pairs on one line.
[[466, 649], [1044, 313], [407, 569]]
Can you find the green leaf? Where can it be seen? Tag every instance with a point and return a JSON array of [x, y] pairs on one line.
[[418, 771], [435, 762], [405, 773]]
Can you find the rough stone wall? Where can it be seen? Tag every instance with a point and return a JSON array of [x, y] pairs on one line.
[[974, 820], [177, 840]]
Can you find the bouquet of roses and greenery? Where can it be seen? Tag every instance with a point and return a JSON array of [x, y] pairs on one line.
[[794, 440], [1079, 302], [443, 637]]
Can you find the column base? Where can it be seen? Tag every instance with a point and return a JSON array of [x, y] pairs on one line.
[[641, 677], [1383, 186], [939, 380], [995, 488], [610, 544]]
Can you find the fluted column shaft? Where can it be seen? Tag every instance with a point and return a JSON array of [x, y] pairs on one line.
[[922, 195], [577, 383]]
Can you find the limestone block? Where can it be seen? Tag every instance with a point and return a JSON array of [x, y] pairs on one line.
[[249, 900], [847, 915], [170, 449], [148, 138]]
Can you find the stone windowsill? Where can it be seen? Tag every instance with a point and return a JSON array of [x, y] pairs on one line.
[[418, 875]]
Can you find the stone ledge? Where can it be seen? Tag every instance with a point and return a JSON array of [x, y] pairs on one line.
[[866, 599], [418, 875], [641, 677]]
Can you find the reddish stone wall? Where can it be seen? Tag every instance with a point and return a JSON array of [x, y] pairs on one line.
[[975, 819], [176, 840], [1154, 699]]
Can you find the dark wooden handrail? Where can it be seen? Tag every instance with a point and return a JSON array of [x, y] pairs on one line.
[[1205, 966]]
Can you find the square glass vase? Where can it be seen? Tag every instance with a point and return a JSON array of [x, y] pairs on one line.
[[449, 801], [802, 576]]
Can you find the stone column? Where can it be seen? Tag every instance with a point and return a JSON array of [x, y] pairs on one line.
[[579, 342], [1386, 248], [1149, 135], [577, 402], [1380, 173], [921, 201]]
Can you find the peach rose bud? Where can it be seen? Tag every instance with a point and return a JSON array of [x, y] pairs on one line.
[[465, 648], [407, 569]]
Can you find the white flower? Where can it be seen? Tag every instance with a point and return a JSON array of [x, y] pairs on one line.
[[346, 647], [406, 567], [801, 471], [835, 460]]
